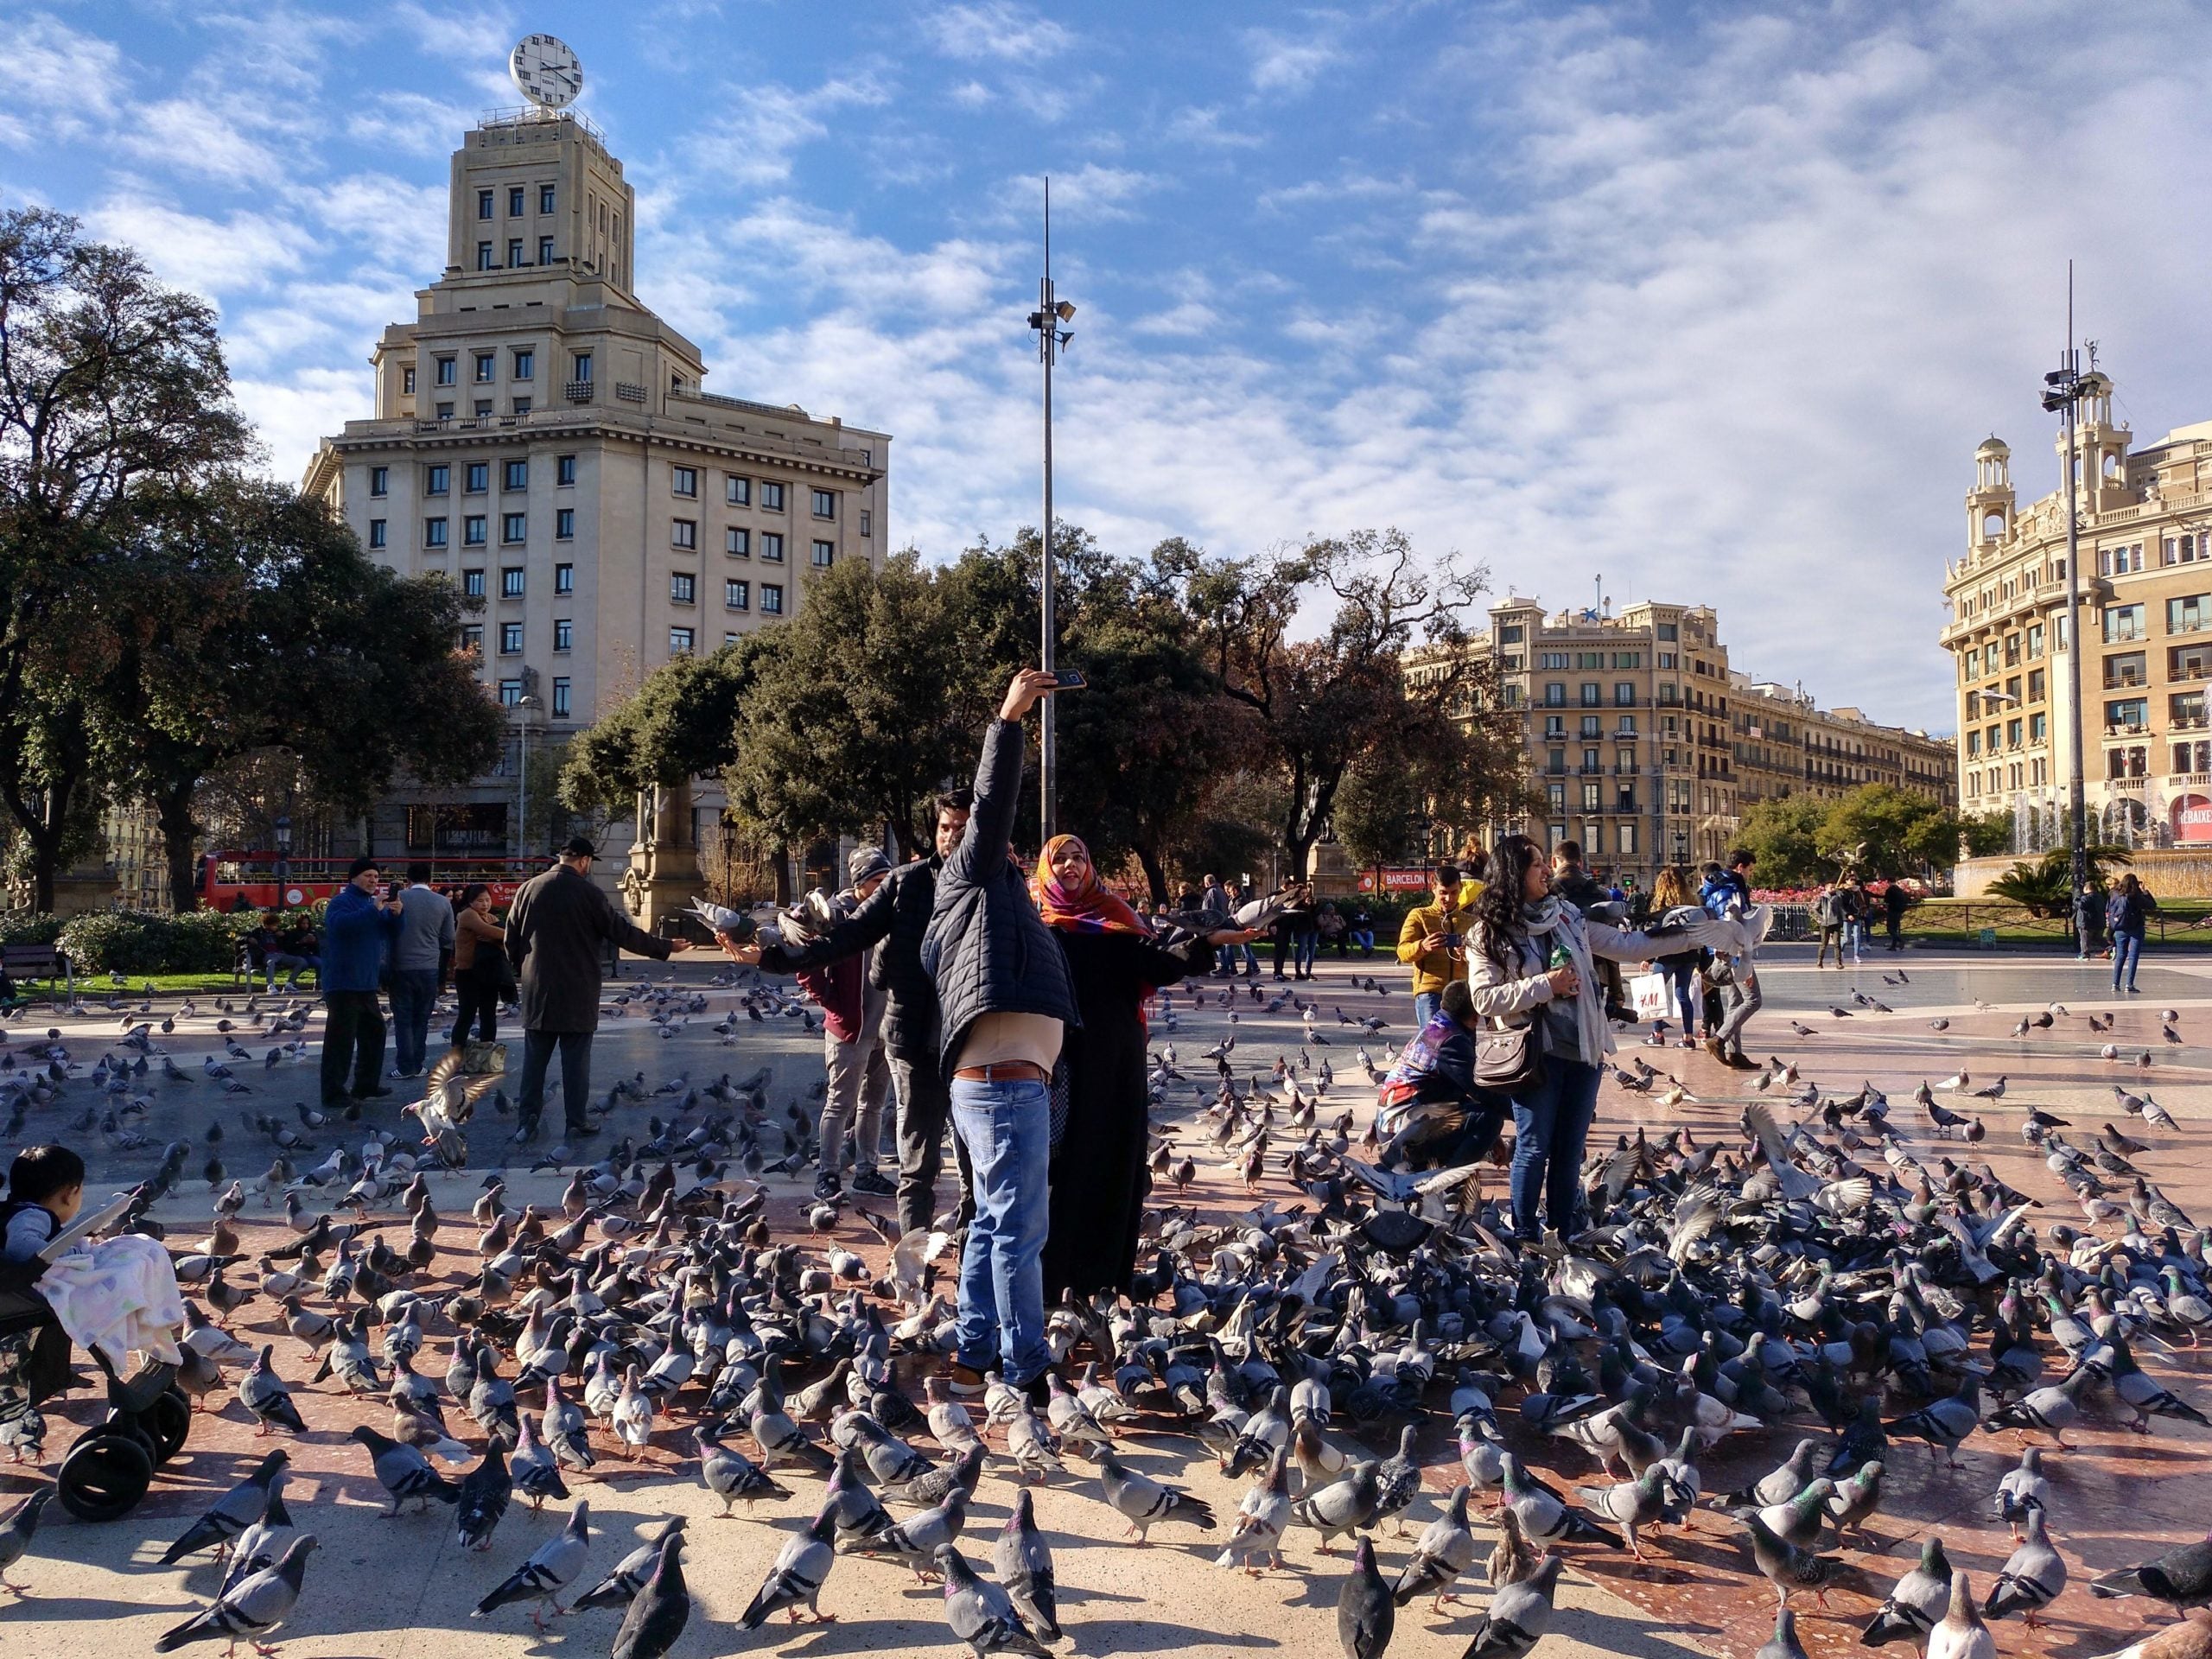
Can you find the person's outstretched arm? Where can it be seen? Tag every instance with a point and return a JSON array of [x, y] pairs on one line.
[[998, 782]]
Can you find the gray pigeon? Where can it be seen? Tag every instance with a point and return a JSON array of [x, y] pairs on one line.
[[915, 1540], [1342, 1505], [1447, 1549], [230, 1515], [1144, 1502], [551, 1568], [2032, 1579], [263, 1544], [797, 1573], [1915, 1602], [1518, 1614], [980, 1612], [404, 1472], [2023, 1490], [1023, 1563], [254, 1610], [620, 1587], [733, 1477], [1365, 1613], [1784, 1644], [661, 1608], [17, 1531]]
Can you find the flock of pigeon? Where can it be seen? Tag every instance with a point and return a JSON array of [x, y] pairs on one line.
[[1802, 1266]]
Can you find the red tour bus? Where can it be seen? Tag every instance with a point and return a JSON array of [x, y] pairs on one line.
[[233, 881]]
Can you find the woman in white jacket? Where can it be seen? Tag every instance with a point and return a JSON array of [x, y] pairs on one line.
[[1529, 959]]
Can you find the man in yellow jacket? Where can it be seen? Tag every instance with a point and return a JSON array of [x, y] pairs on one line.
[[1433, 940]]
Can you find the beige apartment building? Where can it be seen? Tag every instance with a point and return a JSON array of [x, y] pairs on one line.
[[1648, 748], [543, 440], [2145, 534]]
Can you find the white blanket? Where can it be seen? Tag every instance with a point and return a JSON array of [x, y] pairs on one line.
[[119, 1295]]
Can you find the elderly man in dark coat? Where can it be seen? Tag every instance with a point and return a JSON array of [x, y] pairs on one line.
[[558, 932]]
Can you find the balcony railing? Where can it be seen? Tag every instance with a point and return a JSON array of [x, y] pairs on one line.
[[2126, 785]]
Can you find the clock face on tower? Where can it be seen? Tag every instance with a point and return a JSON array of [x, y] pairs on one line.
[[546, 71]]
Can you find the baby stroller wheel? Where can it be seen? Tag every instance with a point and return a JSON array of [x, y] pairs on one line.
[[131, 1427], [165, 1422], [105, 1476]]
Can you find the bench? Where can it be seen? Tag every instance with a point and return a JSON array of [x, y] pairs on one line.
[[34, 961]]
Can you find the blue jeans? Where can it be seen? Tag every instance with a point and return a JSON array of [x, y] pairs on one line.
[[1006, 1128], [1364, 938], [1424, 1004], [2127, 952], [414, 990], [1550, 1124], [1309, 946], [1682, 976]]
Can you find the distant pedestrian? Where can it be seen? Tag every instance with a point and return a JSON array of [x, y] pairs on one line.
[[1896, 900], [1007, 1001], [1827, 916], [358, 931], [298, 951], [1433, 942], [1727, 895], [1306, 931], [859, 1071], [418, 967], [2088, 923], [479, 965], [2127, 915], [1854, 921], [1672, 901], [556, 929], [1234, 894]]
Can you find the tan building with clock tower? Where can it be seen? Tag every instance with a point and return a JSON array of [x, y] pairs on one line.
[[542, 439]]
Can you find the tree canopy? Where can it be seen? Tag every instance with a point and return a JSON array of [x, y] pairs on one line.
[[1876, 830]]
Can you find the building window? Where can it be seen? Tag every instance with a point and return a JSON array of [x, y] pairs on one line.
[[514, 250], [487, 367], [684, 532], [376, 532], [544, 250], [825, 504], [477, 479], [445, 411], [738, 491], [483, 204], [471, 531], [514, 527], [2130, 714], [564, 578], [1554, 694], [544, 198], [483, 257], [379, 481], [1624, 693], [447, 370], [564, 524], [483, 408], [1628, 838], [407, 381], [685, 481], [772, 546], [514, 474], [772, 599], [738, 544], [514, 202], [472, 639], [679, 642], [564, 469], [864, 521], [434, 532], [560, 696], [825, 555], [510, 582], [526, 363], [510, 693], [2038, 728], [2188, 615], [564, 633], [1592, 694], [772, 498], [510, 639], [580, 369], [2123, 622], [683, 587], [738, 595], [472, 584]]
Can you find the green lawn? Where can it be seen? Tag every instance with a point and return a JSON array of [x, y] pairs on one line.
[[95, 988], [1962, 921]]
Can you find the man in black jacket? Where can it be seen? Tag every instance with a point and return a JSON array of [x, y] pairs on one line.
[[556, 933], [1005, 1001], [889, 924]]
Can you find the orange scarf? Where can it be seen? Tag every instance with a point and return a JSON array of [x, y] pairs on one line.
[[1091, 908]]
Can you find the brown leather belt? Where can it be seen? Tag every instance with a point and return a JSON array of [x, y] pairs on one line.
[[1004, 1072]]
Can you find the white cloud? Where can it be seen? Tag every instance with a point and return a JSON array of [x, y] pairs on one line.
[[756, 130], [205, 139], [293, 412], [59, 81], [1288, 63], [409, 123], [996, 28], [467, 34], [1192, 317], [238, 255], [1089, 194]]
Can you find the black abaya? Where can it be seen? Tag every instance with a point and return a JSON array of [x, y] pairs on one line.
[[1098, 1174]]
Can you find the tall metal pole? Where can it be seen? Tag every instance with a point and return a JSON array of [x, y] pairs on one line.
[[2077, 810], [1047, 743]]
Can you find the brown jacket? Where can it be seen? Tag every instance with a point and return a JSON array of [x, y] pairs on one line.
[[557, 933], [469, 930]]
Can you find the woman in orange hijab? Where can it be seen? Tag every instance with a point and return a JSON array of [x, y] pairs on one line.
[[1115, 962]]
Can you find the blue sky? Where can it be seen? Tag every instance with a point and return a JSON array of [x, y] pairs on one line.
[[1713, 300]]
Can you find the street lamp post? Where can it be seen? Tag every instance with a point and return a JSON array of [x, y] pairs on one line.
[[523, 705], [1047, 320], [284, 828], [2063, 388]]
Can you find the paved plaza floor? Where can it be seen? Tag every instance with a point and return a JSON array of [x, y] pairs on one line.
[[390, 1588]]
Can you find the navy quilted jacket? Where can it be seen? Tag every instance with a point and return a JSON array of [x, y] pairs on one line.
[[987, 947]]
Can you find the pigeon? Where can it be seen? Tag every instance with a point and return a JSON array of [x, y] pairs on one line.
[[552, 1566], [1518, 1615], [1787, 1568], [660, 1608], [230, 1515], [404, 1472], [2031, 1580], [620, 1587], [1960, 1634], [1915, 1602], [2023, 1490], [1023, 1563], [263, 1544], [1365, 1613], [796, 1575], [733, 1477], [256, 1608], [915, 1540], [1546, 1517], [1444, 1550], [17, 1531], [2181, 1578], [262, 1393], [482, 1499], [2189, 1638], [1144, 1502]]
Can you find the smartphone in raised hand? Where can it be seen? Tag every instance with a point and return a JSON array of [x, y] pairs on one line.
[[1069, 679]]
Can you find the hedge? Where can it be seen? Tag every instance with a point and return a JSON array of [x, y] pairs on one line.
[[30, 927], [151, 942]]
